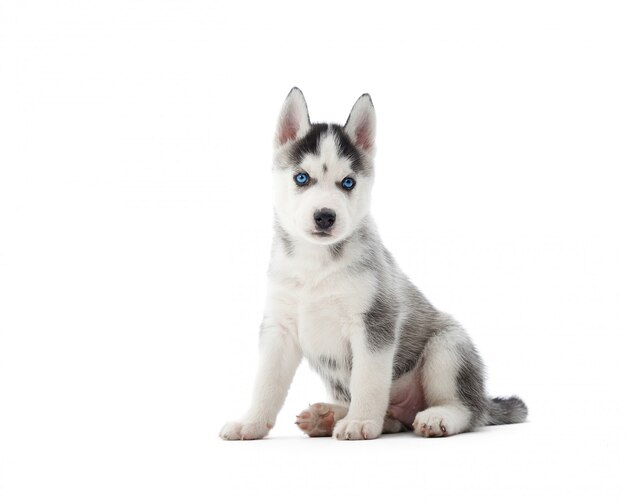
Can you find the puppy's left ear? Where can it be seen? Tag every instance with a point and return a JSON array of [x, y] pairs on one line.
[[361, 124]]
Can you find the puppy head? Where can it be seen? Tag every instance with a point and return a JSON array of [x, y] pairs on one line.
[[323, 173]]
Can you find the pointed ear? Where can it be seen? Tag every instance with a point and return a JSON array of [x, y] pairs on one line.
[[361, 124], [293, 121]]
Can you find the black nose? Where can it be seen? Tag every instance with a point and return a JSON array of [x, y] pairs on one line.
[[324, 218]]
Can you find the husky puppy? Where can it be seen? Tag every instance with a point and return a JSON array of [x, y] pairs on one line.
[[390, 360]]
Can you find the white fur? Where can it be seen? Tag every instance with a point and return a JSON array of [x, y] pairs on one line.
[[280, 355]]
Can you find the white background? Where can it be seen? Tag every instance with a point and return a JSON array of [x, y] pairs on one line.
[[135, 227]]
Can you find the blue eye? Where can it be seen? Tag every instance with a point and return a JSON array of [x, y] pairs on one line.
[[348, 183], [301, 179]]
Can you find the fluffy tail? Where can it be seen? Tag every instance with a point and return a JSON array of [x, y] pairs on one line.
[[506, 410]]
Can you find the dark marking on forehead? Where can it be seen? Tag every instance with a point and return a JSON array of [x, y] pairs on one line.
[[325, 167], [346, 148], [310, 144]]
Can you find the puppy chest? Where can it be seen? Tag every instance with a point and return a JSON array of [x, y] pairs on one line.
[[322, 332], [326, 347]]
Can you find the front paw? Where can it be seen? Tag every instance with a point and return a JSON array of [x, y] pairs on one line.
[[245, 430], [357, 429]]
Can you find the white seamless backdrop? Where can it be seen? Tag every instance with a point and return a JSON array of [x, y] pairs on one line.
[[135, 227]]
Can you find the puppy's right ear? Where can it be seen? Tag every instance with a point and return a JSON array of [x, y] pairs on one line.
[[293, 122]]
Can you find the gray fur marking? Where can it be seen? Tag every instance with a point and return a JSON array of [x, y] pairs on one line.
[[283, 238], [328, 362], [339, 391], [470, 384], [420, 324], [336, 249], [380, 322], [348, 360], [507, 410], [369, 261]]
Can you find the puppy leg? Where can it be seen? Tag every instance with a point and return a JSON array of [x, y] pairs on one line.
[[279, 358], [452, 376], [370, 383]]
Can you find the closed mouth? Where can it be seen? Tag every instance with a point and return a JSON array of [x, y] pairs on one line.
[[322, 234]]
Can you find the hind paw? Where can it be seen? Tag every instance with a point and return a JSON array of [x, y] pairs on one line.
[[429, 425], [317, 420]]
